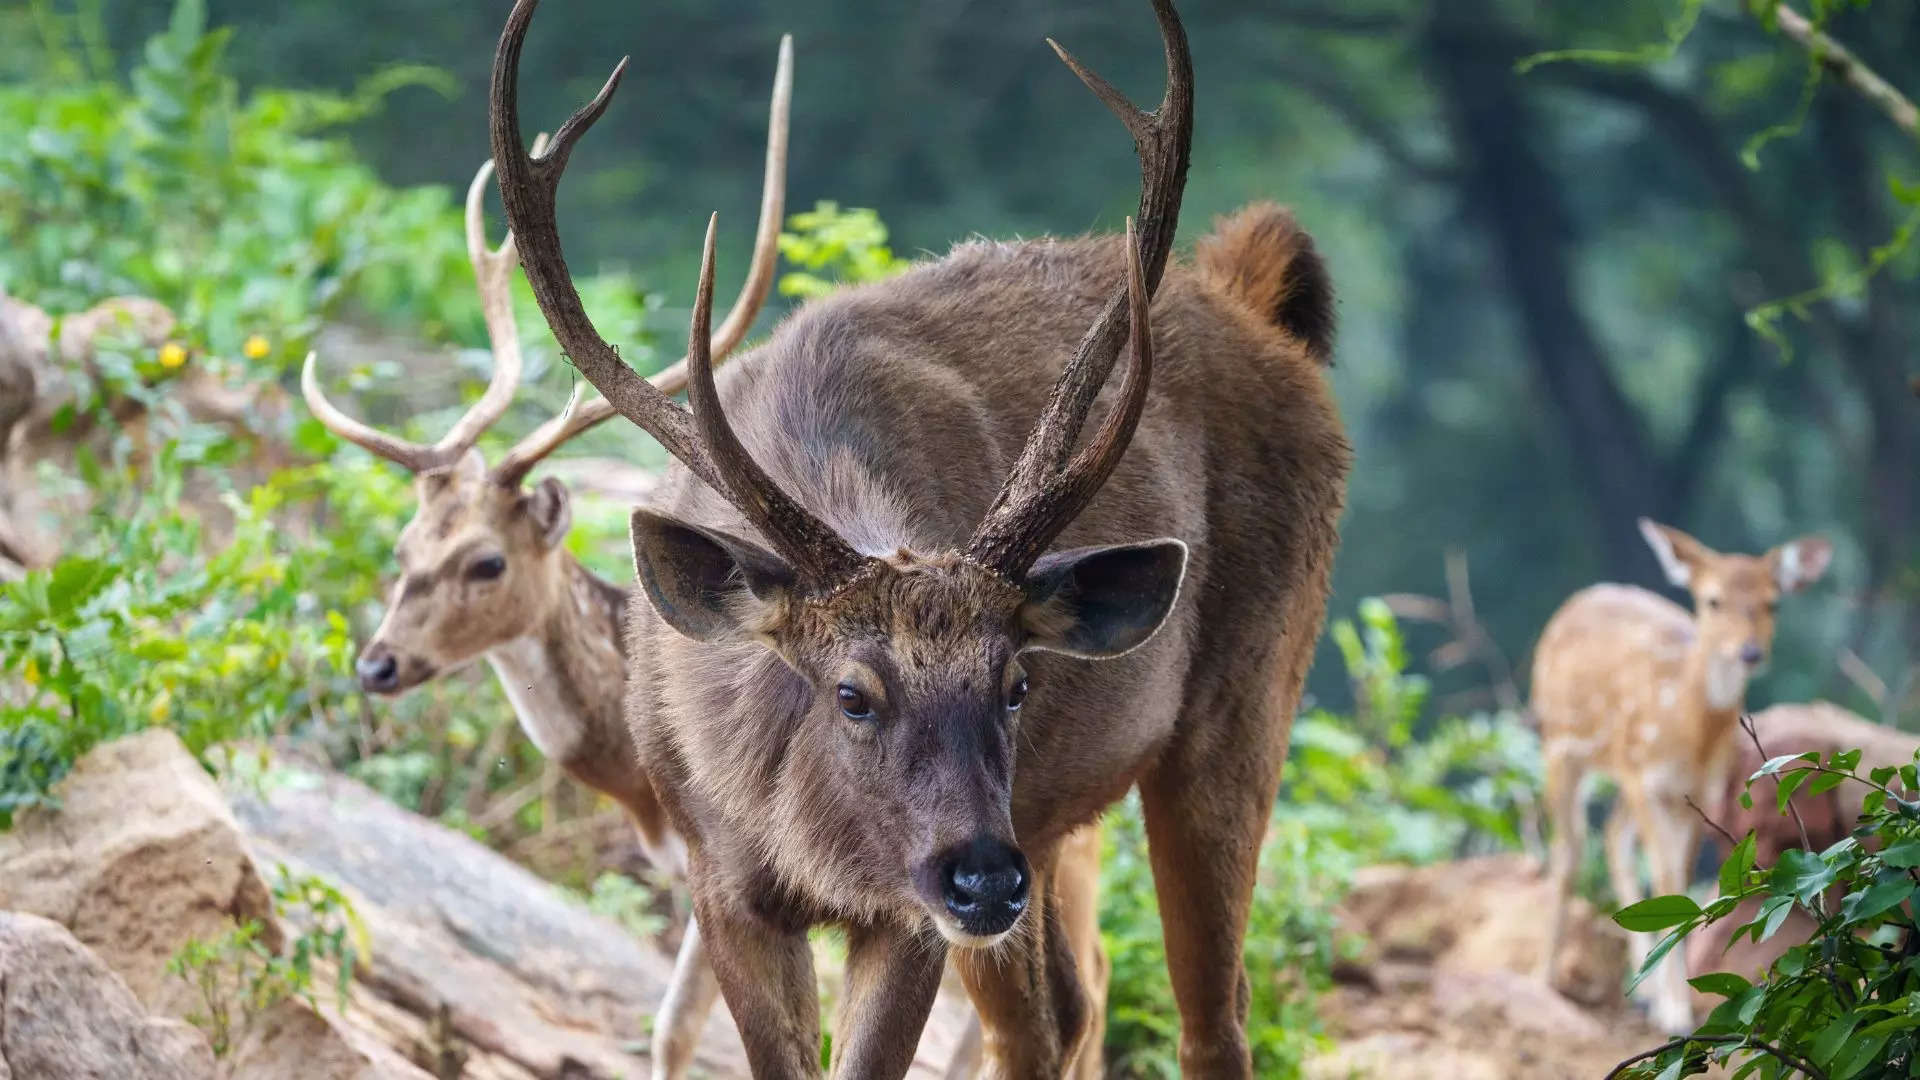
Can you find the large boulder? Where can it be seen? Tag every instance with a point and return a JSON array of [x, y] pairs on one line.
[[142, 856], [64, 1015], [521, 974]]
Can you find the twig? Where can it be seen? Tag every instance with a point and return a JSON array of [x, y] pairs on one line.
[[1843, 65], [1711, 824], [1747, 1041], [1746, 724]]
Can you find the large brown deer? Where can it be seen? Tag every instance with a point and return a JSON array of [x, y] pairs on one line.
[[864, 681], [484, 572], [1630, 685]]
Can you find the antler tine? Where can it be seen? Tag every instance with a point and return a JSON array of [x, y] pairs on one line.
[[412, 456], [812, 547], [550, 436], [493, 278], [528, 186], [1044, 491]]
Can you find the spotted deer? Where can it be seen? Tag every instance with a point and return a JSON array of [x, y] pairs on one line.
[[874, 692], [484, 571], [1628, 684]]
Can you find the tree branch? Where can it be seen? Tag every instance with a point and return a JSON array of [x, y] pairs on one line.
[[1843, 65], [1747, 1041]]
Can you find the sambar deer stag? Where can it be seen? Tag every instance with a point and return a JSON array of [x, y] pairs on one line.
[[485, 572], [873, 691], [1628, 684]]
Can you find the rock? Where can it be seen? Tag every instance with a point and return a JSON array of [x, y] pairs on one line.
[[291, 1040], [1446, 987], [528, 979], [64, 1015], [143, 855], [1485, 914]]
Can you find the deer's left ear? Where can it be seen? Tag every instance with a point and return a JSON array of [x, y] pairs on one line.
[[1799, 563], [1100, 602], [552, 514]]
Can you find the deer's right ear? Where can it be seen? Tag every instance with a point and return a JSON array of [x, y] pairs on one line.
[[704, 583], [1678, 552]]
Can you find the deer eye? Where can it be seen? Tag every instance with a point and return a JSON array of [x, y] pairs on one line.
[[488, 568], [1017, 696], [853, 703]]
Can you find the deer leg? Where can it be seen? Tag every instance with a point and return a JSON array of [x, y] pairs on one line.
[[1077, 887], [1623, 870], [683, 1012], [765, 972], [1667, 828], [891, 979], [1033, 1014], [1206, 808], [1564, 773]]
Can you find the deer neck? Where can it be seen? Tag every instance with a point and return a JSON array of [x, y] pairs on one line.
[[565, 679], [1717, 685]]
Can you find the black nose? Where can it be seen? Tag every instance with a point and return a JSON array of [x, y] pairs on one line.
[[984, 884], [1751, 654], [378, 669]]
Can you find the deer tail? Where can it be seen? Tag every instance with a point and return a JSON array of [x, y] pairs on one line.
[[1261, 257]]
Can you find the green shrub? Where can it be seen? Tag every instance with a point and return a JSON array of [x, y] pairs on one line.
[[1844, 1004]]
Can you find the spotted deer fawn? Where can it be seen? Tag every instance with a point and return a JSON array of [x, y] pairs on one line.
[[484, 572], [871, 689], [1628, 684]]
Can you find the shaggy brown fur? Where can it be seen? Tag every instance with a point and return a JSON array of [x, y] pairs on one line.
[[892, 413]]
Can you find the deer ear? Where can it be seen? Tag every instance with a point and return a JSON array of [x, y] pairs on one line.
[[704, 583], [552, 513], [1678, 553], [1100, 602], [1799, 563]]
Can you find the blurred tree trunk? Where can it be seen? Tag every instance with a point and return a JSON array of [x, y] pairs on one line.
[[1877, 347], [1508, 189]]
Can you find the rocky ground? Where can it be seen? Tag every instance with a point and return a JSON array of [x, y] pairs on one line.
[[479, 969], [1446, 988], [484, 971]]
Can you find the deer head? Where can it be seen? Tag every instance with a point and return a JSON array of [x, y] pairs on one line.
[[1734, 598], [482, 560], [913, 664]]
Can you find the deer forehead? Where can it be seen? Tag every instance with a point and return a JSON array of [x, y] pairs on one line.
[[926, 611], [457, 515], [1737, 577]]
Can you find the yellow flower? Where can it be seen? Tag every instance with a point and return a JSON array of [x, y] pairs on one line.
[[32, 672], [172, 355], [256, 347], [161, 708]]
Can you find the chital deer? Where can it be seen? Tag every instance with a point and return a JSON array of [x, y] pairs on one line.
[[862, 678], [484, 571], [1628, 684]]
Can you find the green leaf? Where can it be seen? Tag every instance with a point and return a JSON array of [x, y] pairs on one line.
[[1657, 913], [1905, 854], [1773, 913], [1832, 1038], [1654, 956], [1774, 765], [1733, 872], [1724, 983], [1889, 892], [1859, 1054], [1800, 874], [1790, 782], [1825, 781]]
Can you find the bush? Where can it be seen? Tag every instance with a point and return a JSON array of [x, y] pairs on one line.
[[1844, 1004]]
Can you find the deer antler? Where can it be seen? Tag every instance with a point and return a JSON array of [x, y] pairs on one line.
[[528, 186], [493, 274], [578, 418], [1045, 491]]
